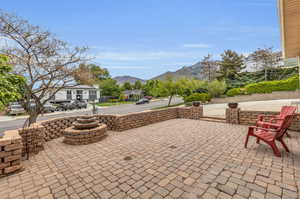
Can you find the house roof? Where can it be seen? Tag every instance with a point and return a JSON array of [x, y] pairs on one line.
[[132, 92], [289, 12], [81, 87]]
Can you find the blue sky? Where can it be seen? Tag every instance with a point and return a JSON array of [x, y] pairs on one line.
[[145, 38]]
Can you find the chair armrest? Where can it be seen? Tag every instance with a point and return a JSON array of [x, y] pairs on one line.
[[260, 128], [274, 119]]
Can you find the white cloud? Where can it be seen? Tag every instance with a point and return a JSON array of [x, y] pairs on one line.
[[196, 46]]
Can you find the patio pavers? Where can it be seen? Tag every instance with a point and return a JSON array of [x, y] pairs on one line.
[[173, 159]]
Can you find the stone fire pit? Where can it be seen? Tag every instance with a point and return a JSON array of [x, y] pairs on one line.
[[85, 130]]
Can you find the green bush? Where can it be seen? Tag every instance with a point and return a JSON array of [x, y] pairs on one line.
[[289, 84], [203, 97], [216, 88], [188, 104], [234, 91], [113, 100], [121, 97]]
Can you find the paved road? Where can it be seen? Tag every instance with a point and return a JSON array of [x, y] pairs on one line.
[[120, 109]]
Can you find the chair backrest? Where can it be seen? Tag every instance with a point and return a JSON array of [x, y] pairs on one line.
[[287, 110], [287, 121]]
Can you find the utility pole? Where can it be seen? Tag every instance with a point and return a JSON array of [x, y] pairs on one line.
[[94, 107]]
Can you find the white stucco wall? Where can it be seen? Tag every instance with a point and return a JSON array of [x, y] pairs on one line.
[[62, 94]]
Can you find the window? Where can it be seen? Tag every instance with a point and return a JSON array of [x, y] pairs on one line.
[[79, 95], [69, 95], [92, 95]]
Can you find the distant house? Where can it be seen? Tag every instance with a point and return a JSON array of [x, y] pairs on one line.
[[133, 94], [79, 92]]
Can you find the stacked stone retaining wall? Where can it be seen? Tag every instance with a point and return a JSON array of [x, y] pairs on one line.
[[32, 139], [10, 152], [135, 120], [247, 117], [250, 118]]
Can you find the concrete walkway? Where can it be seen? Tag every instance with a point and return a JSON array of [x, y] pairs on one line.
[[218, 110]]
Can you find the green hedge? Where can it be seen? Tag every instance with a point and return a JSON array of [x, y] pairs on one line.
[[235, 91], [289, 84], [203, 97]]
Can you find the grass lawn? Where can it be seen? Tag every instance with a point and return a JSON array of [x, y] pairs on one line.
[[162, 107], [113, 103]]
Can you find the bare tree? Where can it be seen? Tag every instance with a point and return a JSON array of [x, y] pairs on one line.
[[47, 62], [265, 59], [209, 67]]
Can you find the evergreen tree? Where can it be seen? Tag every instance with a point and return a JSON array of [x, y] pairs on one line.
[[138, 84], [230, 65], [109, 87], [127, 86]]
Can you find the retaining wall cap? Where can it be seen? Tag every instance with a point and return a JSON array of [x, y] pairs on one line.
[[10, 135], [39, 124], [263, 112]]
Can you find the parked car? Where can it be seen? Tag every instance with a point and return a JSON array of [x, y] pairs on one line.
[[49, 108], [66, 106], [80, 104], [148, 97], [15, 109], [60, 107], [143, 101]]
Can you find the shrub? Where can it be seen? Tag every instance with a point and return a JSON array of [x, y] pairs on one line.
[[203, 97], [201, 90], [189, 104], [113, 100], [121, 97], [216, 88], [289, 84], [234, 91]]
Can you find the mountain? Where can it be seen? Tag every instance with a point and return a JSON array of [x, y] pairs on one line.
[[192, 71], [122, 79]]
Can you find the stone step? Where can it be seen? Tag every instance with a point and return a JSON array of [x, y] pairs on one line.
[[213, 119]]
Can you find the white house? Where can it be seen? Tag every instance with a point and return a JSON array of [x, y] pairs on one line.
[[79, 92]]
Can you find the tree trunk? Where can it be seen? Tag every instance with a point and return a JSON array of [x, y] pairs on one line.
[[266, 74], [170, 99], [33, 112], [32, 118]]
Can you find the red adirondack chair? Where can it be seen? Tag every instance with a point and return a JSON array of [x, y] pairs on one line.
[[269, 135], [276, 121]]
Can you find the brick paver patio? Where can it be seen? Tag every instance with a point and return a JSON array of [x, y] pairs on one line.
[[173, 159]]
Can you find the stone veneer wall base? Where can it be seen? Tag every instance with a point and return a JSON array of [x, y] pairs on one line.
[[247, 117], [10, 152]]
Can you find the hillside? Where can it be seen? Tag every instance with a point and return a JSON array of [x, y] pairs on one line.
[[122, 79], [186, 71]]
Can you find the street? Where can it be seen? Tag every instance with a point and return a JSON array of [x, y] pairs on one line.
[[119, 109]]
